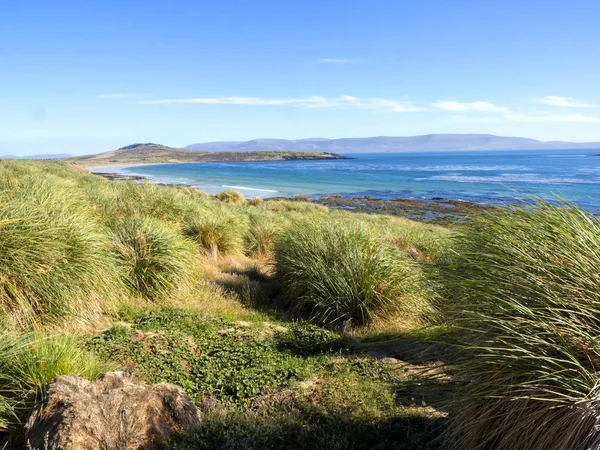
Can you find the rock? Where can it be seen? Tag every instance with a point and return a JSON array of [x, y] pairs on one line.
[[112, 412]]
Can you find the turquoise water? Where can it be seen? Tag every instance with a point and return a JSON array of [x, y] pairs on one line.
[[484, 177]]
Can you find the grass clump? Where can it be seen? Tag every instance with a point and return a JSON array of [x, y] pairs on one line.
[[261, 235], [54, 261], [29, 362], [255, 201], [154, 256], [528, 288], [217, 232], [343, 274], [230, 196]]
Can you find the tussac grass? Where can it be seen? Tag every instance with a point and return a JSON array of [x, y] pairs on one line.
[[230, 196], [217, 231], [29, 362], [342, 275], [527, 286], [130, 246], [55, 262], [155, 259]]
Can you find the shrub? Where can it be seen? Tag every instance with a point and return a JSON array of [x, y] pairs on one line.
[[54, 261], [342, 275], [231, 197], [216, 231], [528, 296], [155, 257]]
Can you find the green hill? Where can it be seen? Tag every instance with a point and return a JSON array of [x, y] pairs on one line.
[[156, 153]]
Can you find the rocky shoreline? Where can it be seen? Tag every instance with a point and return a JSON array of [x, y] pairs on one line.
[[437, 210]]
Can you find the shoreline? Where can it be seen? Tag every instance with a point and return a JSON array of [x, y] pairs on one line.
[[435, 210]]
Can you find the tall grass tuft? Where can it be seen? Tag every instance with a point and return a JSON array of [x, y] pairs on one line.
[[261, 235], [342, 275], [230, 196], [217, 231], [255, 201], [29, 362], [155, 257], [54, 261], [527, 283]]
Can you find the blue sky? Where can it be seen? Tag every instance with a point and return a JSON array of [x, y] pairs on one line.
[[84, 77]]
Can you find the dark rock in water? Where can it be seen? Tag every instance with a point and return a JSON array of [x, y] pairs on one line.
[[112, 412], [119, 176]]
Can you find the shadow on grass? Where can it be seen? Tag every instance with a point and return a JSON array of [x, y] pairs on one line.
[[309, 428], [422, 346], [258, 291]]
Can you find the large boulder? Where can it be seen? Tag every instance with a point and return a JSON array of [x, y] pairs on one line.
[[112, 412]]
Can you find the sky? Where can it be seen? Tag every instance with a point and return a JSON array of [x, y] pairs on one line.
[[85, 77]]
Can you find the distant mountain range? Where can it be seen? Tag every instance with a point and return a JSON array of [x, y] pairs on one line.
[[424, 143]]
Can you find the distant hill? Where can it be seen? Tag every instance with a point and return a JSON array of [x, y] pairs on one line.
[[156, 153], [427, 142], [49, 156]]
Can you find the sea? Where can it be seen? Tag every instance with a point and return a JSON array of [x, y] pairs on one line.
[[483, 177]]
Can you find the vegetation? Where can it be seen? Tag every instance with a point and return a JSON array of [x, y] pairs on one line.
[[528, 297], [222, 233], [342, 274], [154, 257], [230, 196], [29, 362], [54, 261], [298, 326]]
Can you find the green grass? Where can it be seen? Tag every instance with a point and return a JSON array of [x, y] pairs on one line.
[[156, 259], [261, 235], [342, 274], [54, 261], [114, 268], [218, 231], [527, 295], [29, 362], [230, 196], [264, 385], [210, 356]]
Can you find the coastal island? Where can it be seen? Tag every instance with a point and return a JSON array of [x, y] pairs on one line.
[[150, 153]]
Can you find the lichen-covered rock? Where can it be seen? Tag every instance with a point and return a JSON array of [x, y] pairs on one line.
[[112, 412]]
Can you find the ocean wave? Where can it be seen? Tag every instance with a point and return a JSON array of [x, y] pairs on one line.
[[244, 188], [508, 178]]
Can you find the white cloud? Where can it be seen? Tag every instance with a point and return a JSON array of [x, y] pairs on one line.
[[345, 101], [552, 118], [117, 95], [554, 100], [337, 61], [474, 119], [470, 106]]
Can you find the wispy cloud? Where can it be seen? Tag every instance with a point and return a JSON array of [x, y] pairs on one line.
[[476, 119], [345, 101], [118, 95], [536, 117], [539, 118], [554, 100], [337, 61], [470, 106]]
